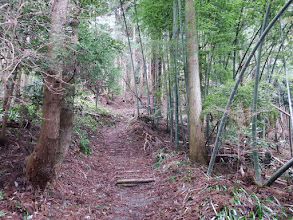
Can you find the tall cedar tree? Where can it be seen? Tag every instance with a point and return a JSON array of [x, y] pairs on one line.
[[198, 151]]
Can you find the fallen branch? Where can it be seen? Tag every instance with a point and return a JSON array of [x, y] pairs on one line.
[[226, 155], [134, 181], [128, 185], [281, 110]]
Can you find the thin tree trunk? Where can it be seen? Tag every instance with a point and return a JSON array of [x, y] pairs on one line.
[[246, 52], [206, 91], [165, 74], [266, 62], [290, 133], [155, 81], [181, 121], [144, 63], [97, 94], [235, 44], [153, 77], [176, 89], [159, 90], [171, 101], [274, 64], [6, 106], [281, 118], [184, 64], [131, 59]]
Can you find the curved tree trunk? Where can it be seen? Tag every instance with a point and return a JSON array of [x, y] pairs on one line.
[[198, 151], [42, 164]]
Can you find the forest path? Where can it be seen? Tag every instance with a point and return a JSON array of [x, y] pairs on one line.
[[87, 186], [123, 157]]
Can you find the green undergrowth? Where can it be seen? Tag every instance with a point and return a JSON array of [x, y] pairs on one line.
[[2, 213], [87, 123], [84, 127], [23, 112], [243, 204]]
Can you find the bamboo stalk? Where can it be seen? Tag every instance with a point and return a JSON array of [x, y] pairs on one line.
[[279, 172], [288, 92], [257, 170]]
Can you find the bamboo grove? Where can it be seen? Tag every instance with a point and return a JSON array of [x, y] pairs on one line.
[[229, 34]]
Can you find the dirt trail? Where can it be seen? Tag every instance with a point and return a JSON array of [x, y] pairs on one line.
[[86, 187], [91, 191], [124, 158]]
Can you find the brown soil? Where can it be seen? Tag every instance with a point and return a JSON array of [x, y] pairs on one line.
[[126, 149]]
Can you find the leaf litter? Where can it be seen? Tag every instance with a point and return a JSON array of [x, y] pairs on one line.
[[131, 149]]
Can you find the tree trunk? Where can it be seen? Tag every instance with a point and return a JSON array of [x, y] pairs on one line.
[[176, 86], [66, 124], [184, 62], [6, 105], [43, 162], [152, 73], [198, 152]]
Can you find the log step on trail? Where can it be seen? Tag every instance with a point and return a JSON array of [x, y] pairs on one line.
[[132, 182]]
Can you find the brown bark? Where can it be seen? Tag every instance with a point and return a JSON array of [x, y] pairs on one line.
[[198, 151], [66, 124], [42, 164]]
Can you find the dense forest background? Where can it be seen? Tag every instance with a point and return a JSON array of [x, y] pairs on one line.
[[215, 75]]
